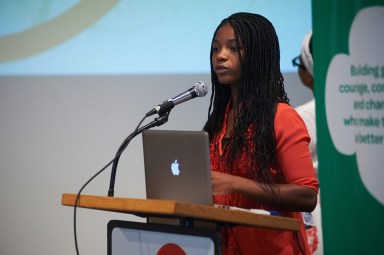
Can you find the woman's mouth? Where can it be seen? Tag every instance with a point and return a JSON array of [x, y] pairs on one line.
[[221, 69]]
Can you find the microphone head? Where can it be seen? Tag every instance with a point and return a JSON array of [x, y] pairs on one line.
[[200, 88]]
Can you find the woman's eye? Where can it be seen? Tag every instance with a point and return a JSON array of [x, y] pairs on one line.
[[215, 49], [235, 48]]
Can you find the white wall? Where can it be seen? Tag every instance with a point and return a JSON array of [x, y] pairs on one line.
[[56, 132]]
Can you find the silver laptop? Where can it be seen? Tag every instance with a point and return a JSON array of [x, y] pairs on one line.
[[177, 166]]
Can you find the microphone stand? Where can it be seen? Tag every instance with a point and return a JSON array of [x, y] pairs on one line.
[[162, 119]]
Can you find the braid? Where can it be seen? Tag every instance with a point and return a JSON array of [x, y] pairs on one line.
[[261, 87]]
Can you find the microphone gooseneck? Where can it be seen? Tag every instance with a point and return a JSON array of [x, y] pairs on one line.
[[199, 89]]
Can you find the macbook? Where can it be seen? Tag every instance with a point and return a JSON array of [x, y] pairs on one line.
[[177, 166]]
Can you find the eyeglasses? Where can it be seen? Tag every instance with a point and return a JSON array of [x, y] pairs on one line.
[[297, 62]]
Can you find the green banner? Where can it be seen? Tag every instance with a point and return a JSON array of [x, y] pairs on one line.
[[348, 45]]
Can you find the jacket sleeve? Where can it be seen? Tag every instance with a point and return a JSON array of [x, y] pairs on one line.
[[293, 153]]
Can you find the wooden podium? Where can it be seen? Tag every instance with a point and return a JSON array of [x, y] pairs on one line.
[[174, 212]]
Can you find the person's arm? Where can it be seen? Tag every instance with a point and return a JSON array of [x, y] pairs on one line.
[[289, 197], [299, 192]]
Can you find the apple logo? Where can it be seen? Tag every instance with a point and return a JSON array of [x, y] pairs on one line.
[[175, 168]]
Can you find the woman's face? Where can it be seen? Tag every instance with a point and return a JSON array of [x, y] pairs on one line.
[[225, 57]]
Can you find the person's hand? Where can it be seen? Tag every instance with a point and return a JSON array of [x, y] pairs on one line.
[[222, 183]]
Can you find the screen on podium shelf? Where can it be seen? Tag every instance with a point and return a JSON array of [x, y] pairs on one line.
[[158, 239]]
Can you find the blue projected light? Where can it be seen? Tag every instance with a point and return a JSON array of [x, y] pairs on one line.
[[130, 37]]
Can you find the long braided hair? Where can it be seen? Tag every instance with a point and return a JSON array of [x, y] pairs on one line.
[[260, 88]]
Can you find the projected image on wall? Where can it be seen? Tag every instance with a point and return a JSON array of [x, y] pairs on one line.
[[129, 37]]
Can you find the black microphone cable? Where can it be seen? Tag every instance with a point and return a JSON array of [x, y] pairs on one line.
[[199, 89], [126, 142]]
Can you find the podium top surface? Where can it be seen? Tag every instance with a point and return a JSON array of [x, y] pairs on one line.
[[176, 209]]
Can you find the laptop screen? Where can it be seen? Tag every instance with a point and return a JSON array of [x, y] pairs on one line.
[[177, 166]]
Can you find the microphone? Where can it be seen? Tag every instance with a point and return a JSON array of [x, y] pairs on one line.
[[199, 89]]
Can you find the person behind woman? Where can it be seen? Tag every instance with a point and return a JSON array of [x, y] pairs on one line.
[[304, 62], [258, 143]]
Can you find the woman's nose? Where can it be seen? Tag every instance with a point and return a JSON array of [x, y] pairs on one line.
[[222, 55]]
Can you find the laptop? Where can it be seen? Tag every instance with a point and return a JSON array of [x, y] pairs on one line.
[[177, 166]]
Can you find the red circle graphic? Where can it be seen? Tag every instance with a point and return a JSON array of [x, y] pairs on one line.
[[171, 249]]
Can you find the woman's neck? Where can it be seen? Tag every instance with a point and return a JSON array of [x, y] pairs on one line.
[[234, 94]]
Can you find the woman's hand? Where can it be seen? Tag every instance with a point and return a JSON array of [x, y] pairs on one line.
[[223, 183]]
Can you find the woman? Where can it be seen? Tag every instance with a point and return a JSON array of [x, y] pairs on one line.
[[259, 144]]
